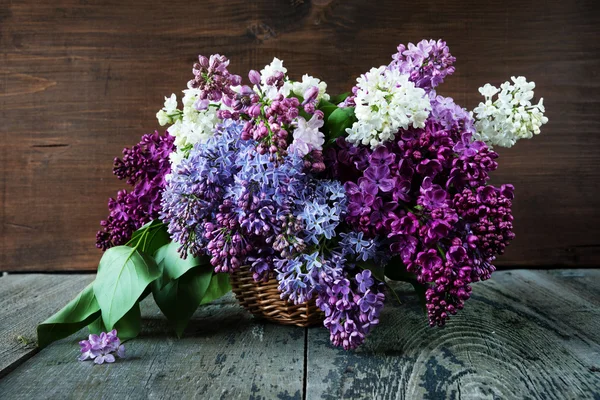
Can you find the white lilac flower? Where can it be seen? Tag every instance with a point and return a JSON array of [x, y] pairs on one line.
[[271, 69], [510, 117], [307, 136], [171, 103], [190, 125], [169, 113], [385, 102], [300, 88], [273, 79]]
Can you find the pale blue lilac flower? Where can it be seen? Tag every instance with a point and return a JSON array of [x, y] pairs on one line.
[[197, 186], [306, 274], [353, 243], [321, 209]]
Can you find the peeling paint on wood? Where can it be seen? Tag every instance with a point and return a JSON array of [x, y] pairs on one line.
[[529, 334], [524, 334]]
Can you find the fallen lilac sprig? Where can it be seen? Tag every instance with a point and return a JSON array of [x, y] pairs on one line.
[[101, 348]]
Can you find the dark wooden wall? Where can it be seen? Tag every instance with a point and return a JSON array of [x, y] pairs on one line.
[[79, 80]]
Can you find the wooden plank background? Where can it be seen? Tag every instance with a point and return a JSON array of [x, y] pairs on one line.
[[79, 80]]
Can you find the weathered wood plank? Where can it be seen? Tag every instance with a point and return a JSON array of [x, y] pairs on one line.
[[25, 301], [225, 354], [525, 334], [81, 80], [530, 334]]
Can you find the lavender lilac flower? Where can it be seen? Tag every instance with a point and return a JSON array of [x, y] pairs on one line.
[[427, 63], [102, 348]]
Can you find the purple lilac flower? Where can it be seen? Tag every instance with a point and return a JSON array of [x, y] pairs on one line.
[[351, 308], [144, 166], [427, 63], [240, 102], [451, 116], [440, 216], [101, 348], [213, 80], [379, 176], [270, 127]]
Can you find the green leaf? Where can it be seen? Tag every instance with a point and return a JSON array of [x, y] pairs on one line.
[[150, 237], [180, 298], [338, 121], [339, 98], [123, 275], [219, 287], [173, 266], [396, 271], [420, 289], [127, 327], [130, 325], [97, 326], [77, 314], [327, 107]]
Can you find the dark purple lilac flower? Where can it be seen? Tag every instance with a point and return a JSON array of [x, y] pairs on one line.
[[405, 246], [144, 166], [439, 216], [467, 146], [432, 196], [380, 177]]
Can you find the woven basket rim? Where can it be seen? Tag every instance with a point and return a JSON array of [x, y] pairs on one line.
[[263, 300]]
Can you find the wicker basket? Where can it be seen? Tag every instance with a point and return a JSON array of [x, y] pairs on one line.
[[263, 300]]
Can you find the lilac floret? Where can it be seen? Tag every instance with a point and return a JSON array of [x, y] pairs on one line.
[[101, 348]]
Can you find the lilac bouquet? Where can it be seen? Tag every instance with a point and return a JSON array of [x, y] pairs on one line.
[[331, 196]]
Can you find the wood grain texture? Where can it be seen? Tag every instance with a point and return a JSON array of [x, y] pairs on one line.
[[80, 80], [25, 301], [225, 354], [524, 334]]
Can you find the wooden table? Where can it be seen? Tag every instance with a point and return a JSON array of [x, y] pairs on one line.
[[524, 334]]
